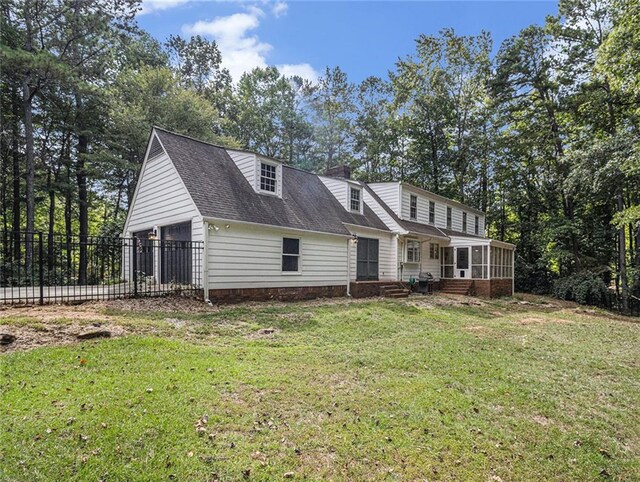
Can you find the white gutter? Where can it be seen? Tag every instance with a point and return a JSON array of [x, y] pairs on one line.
[[272, 226]]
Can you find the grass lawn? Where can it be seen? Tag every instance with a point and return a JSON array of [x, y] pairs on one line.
[[376, 390]]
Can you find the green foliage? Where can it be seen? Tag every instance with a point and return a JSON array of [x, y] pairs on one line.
[[586, 288]]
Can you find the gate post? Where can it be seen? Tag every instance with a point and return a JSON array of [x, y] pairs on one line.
[[134, 264], [41, 267]]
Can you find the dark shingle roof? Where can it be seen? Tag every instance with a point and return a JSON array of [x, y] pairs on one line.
[[451, 232], [220, 190], [424, 229]]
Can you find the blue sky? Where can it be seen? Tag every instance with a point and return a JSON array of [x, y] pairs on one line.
[[363, 37]]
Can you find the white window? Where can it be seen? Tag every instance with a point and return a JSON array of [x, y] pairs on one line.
[[464, 222], [434, 251], [413, 251], [354, 199], [291, 255], [413, 207], [477, 226], [448, 218], [268, 177], [432, 212]]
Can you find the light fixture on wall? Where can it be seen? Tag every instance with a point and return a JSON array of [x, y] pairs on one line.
[[214, 227], [354, 239], [153, 234], [227, 226]]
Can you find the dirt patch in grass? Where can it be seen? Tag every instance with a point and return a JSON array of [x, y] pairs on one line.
[[50, 313], [37, 335], [534, 320]]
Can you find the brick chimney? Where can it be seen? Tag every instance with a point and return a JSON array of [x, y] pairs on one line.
[[340, 171]]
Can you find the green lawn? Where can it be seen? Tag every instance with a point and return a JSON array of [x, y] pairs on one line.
[[358, 391]]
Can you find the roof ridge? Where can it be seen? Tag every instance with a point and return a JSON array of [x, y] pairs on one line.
[[189, 137]]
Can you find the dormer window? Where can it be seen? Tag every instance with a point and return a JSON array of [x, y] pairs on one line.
[[413, 207], [268, 177], [354, 200]]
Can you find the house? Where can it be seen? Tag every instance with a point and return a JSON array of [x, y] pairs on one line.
[[267, 230]]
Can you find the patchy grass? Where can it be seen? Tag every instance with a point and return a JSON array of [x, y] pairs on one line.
[[525, 389]]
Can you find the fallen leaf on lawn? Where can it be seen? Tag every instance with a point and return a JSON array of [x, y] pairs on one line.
[[190, 454]]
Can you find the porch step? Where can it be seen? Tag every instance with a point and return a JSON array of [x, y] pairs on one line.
[[456, 286], [396, 290]]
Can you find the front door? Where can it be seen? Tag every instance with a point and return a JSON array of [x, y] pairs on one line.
[[367, 260], [176, 254], [462, 262]]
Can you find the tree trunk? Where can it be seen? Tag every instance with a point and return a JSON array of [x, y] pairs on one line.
[[15, 172], [83, 201], [622, 257]]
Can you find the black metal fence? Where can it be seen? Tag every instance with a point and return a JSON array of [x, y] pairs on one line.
[[45, 268]]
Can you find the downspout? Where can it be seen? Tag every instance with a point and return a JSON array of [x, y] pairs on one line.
[[349, 268], [205, 264]]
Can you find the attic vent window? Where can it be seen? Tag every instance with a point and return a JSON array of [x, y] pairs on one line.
[[355, 199], [268, 177]]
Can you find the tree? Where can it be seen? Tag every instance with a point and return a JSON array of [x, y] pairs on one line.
[[331, 105]]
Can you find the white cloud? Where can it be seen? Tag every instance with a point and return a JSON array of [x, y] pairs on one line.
[[279, 8], [241, 49], [306, 71], [149, 6]]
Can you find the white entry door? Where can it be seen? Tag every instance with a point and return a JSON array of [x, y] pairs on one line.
[[462, 263]]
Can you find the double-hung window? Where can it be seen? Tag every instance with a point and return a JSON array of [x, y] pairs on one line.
[[434, 251], [432, 212], [477, 226], [354, 199], [413, 207], [464, 222], [448, 218], [413, 251], [268, 177], [291, 255]]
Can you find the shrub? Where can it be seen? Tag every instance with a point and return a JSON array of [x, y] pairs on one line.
[[532, 277], [586, 288]]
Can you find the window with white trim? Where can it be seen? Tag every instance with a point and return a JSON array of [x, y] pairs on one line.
[[354, 199], [448, 218], [477, 226], [464, 222], [432, 212], [291, 255], [413, 207], [413, 251], [268, 177], [434, 251]]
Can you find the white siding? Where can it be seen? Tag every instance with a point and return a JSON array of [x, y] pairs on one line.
[[426, 265], [379, 211], [246, 162], [387, 268], [246, 256], [389, 192], [161, 197], [440, 212], [339, 189]]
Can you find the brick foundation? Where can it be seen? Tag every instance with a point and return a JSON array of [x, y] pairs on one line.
[[239, 295], [494, 288]]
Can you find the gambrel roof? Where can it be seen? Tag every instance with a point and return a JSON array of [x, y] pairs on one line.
[[220, 190]]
